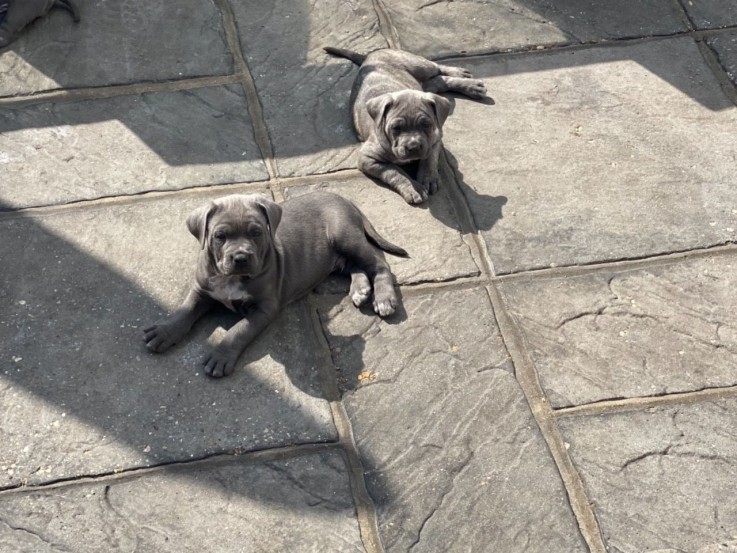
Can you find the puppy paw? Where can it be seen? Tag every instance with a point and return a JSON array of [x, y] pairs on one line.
[[218, 364], [456, 72], [475, 89], [160, 337], [385, 307], [413, 194], [360, 296]]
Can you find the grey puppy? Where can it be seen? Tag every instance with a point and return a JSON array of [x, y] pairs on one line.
[[257, 256], [399, 118], [20, 13]]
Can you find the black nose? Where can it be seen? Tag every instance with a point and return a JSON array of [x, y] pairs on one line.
[[240, 257], [414, 147]]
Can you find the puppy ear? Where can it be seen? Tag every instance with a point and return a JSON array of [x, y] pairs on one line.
[[440, 105], [378, 107], [272, 210], [198, 220]]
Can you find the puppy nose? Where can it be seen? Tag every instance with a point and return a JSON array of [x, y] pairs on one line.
[[240, 257], [414, 146]]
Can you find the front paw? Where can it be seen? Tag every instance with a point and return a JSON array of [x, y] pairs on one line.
[[413, 193], [219, 363], [160, 337]]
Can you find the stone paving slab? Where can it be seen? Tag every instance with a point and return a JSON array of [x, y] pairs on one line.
[[298, 504], [725, 45], [454, 460], [630, 333], [76, 290], [431, 235], [710, 14], [437, 28], [61, 152], [303, 90], [591, 167], [660, 480], [117, 43]]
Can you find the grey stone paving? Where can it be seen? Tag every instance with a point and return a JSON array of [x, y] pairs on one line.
[[558, 379]]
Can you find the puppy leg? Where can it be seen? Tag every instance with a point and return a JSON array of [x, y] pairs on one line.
[[394, 177], [221, 360], [360, 290], [473, 88], [427, 171], [161, 336], [367, 260]]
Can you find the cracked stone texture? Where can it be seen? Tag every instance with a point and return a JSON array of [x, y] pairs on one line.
[[725, 46], [76, 290], [454, 460], [61, 152], [710, 14], [663, 479], [590, 167], [117, 43], [430, 235], [303, 90], [435, 28], [608, 335], [302, 503]]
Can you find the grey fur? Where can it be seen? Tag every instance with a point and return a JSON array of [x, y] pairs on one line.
[[399, 117], [257, 256], [22, 12]]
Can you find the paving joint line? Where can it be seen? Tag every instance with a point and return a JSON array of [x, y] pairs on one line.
[[365, 509], [255, 110], [386, 27], [222, 458], [648, 402], [526, 375], [576, 46], [712, 60], [68, 95], [139, 197]]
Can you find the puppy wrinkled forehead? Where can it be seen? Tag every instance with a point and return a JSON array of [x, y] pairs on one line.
[[239, 208]]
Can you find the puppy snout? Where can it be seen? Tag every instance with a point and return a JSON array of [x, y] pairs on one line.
[[240, 257], [414, 146]]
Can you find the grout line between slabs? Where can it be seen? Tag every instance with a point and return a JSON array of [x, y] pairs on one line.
[[255, 110], [641, 403], [254, 456], [386, 27], [112, 91], [365, 510], [543, 413]]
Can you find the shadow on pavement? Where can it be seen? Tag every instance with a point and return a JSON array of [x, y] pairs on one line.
[[81, 395]]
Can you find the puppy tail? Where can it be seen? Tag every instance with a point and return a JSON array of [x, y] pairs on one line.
[[355, 57], [380, 242]]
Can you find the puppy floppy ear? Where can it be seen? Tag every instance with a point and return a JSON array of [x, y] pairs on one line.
[[272, 211], [440, 105], [378, 107], [198, 220]]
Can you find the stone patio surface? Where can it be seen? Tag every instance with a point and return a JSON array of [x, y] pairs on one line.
[[561, 376]]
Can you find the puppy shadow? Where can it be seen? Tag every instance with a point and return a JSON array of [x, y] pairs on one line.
[[346, 334], [289, 341]]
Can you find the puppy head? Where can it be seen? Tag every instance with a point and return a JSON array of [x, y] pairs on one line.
[[237, 232], [409, 122]]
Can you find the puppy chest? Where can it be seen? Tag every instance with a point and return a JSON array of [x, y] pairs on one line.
[[232, 293]]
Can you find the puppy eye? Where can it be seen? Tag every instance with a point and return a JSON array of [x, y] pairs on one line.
[[396, 129], [256, 232], [220, 236], [425, 124]]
